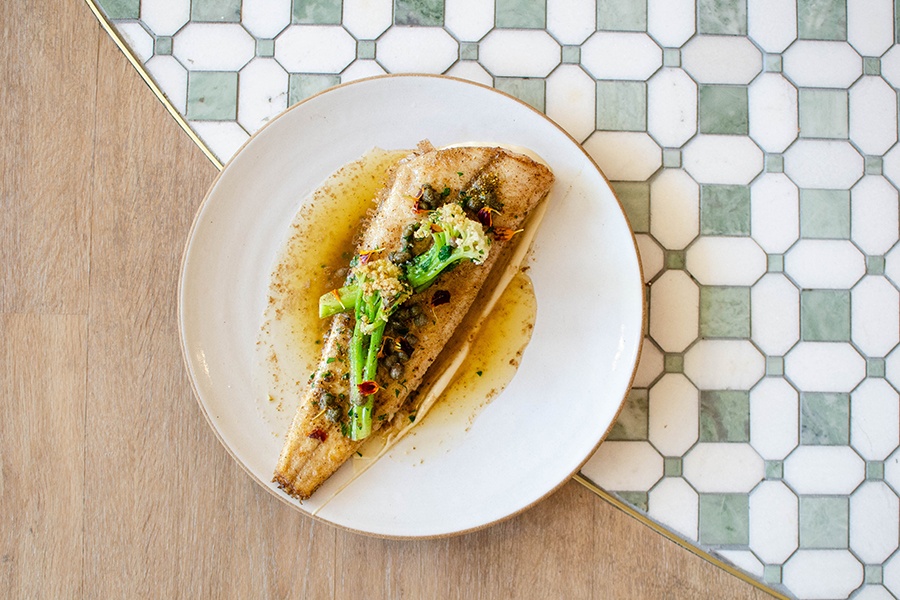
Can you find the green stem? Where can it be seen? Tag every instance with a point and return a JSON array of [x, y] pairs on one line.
[[331, 304]]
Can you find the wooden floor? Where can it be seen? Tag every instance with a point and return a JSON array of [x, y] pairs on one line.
[[111, 483]]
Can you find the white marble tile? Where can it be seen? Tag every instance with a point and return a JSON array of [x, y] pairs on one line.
[[892, 370], [263, 93], [298, 49], [823, 164], [875, 316], [393, 50], [825, 264], [624, 466], [824, 366], [674, 311], [772, 23], [171, 78], [874, 522], [723, 468], [360, 69], [743, 560], [892, 265], [772, 104], [870, 26], [892, 476], [165, 17], [674, 415], [874, 215], [671, 107], [872, 592], [774, 522], [225, 137], [890, 66], [722, 159], [620, 55], [671, 22], [726, 261], [137, 38], [721, 59], [824, 470], [571, 21], [774, 212], [571, 100], [501, 53], [774, 418], [775, 314], [651, 256], [873, 115], [367, 19], [891, 575], [472, 71], [650, 366], [624, 155], [214, 47], [874, 419], [675, 504], [822, 574], [724, 365], [813, 63], [674, 209], [265, 19], [468, 20]]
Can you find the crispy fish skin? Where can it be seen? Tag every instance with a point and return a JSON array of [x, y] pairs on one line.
[[316, 448]]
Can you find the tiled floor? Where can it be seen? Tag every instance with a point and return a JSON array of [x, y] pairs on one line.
[[753, 145]]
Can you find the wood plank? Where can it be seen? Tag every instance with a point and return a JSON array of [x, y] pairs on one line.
[[42, 455]]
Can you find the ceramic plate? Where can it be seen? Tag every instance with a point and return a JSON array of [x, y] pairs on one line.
[[573, 376]]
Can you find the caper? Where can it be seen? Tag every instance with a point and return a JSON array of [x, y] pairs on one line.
[[412, 339], [421, 321], [390, 360], [325, 400], [334, 414], [396, 371], [402, 356], [415, 310], [399, 257]]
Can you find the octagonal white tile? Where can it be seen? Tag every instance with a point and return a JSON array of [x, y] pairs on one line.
[[874, 419], [870, 26], [624, 466], [772, 23], [165, 17], [501, 53], [265, 19], [823, 164], [723, 468], [367, 19], [393, 50], [674, 310], [874, 215], [813, 63], [875, 316], [468, 20], [298, 49], [824, 470], [822, 574], [724, 365], [571, 21], [874, 522], [675, 504], [721, 59], [620, 55], [671, 22], [774, 212], [726, 261], [873, 115], [571, 97], [824, 366], [774, 522], [825, 264], [624, 155], [774, 418], [674, 415], [262, 93], [772, 105], [671, 107], [722, 159], [674, 209], [775, 314], [213, 47]]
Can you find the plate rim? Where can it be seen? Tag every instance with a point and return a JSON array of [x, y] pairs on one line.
[[190, 371]]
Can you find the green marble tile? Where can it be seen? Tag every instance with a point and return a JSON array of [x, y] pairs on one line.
[[724, 210], [772, 574], [724, 416], [824, 418], [774, 163], [823, 113], [874, 165], [875, 367], [419, 12], [672, 466], [775, 263], [635, 197], [121, 9], [875, 265], [825, 315], [773, 63], [724, 312], [622, 15], [825, 214], [727, 17], [671, 57], [671, 158], [304, 86], [265, 48], [896, 21], [163, 45], [774, 469], [622, 105], [527, 14], [822, 19], [875, 470], [632, 423], [212, 96], [468, 50], [673, 362], [637, 499], [365, 49], [774, 366], [872, 65], [874, 574], [316, 12], [724, 519], [824, 522], [527, 90], [216, 11], [571, 55], [723, 109]]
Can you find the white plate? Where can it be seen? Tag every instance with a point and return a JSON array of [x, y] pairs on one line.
[[573, 376]]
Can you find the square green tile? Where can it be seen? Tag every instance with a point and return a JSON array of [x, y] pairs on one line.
[[419, 12], [162, 46], [774, 163], [722, 17], [724, 312], [874, 367], [525, 14], [622, 105], [824, 522], [216, 11], [316, 12], [265, 48], [468, 50], [774, 469], [875, 265], [212, 96], [725, 210], [672, 466], [872, 65], [874, 574], [365, 49], [632, 423], [822, 19], [724, 519], [823, 114], [121, 9], [304, 86], [774, 366], [825, 315], [824, 419], [671, 158], [773, 63], [638, 500], [671, 57], [675, 259], [772, 574], [874, 165], [673, 362], [571, 55], [635, 198], [531, 91], [875, 470], [775, 263], [621, 15], [723, 109], [724, 416], [825, 214]]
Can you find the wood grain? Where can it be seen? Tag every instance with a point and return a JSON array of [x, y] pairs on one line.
[[112, 484]]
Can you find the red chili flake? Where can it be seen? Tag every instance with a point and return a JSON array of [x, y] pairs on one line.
[[484, 216], [505, 233], [318, 434], [367, 388], [440, 297]]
